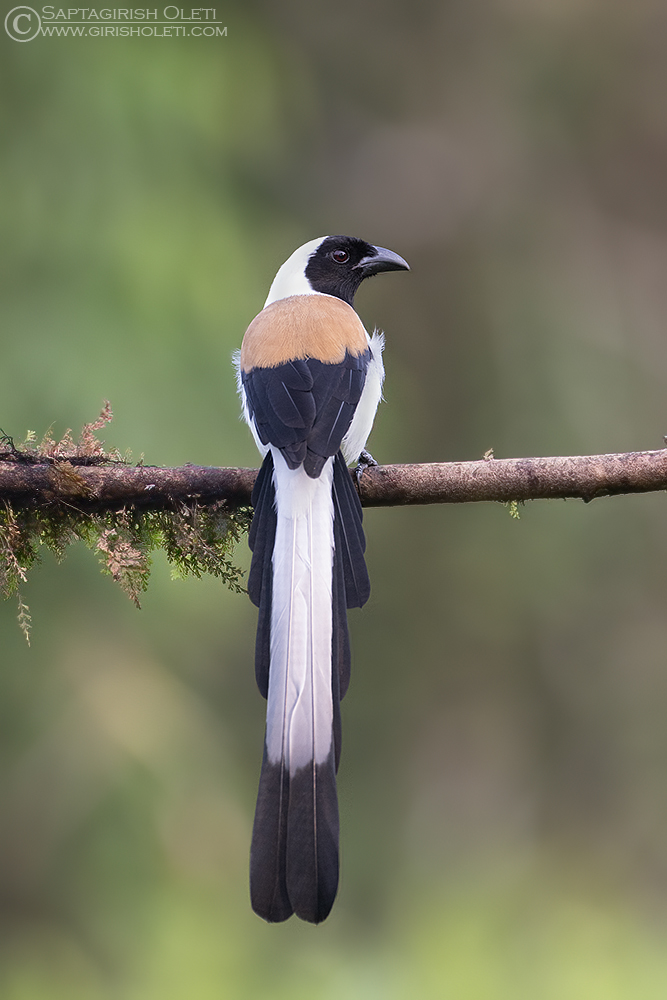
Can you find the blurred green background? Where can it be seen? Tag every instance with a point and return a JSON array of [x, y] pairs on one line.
[[504, 777]]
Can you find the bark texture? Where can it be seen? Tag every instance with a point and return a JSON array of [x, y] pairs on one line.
[[110, 487]]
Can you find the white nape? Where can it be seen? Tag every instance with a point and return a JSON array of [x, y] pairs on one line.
[[291, 277]]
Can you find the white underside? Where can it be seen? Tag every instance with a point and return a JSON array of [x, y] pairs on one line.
[[355, 440], [245, 409], [299, 721]]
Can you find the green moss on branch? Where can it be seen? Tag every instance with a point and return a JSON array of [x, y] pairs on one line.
[[198, 538]]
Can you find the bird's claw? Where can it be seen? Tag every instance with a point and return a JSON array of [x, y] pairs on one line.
[[366, 460]]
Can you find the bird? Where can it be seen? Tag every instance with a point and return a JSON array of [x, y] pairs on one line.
[[310, 379]]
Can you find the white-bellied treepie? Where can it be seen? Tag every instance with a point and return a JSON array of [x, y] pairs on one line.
[[310, 380]]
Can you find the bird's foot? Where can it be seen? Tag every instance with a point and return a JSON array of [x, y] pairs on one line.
[[366, 460]]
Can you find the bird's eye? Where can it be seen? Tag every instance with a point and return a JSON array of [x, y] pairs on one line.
[[340, 256]]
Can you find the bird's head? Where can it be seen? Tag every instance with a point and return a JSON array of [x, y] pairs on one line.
[[332, 265]]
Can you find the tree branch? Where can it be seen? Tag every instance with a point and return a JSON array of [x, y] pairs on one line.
[[40, 484]]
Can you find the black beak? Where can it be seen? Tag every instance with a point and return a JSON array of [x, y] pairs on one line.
[[381, 260]]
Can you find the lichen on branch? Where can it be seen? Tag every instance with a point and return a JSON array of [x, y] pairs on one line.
[[198, 538]]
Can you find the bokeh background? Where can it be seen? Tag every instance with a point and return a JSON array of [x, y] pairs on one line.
[[504, 777]]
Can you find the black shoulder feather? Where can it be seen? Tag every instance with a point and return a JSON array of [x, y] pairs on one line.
[[305, 408]]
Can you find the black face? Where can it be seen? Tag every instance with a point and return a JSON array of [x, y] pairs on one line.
[[341, 263]]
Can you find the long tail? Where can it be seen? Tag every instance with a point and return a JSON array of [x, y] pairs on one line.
[[307, 566]]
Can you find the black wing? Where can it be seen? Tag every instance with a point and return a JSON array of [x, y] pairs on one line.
[[305, 408]]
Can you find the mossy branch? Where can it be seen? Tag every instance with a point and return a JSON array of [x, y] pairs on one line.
[[99, 488], [56, 492], [47, 499]]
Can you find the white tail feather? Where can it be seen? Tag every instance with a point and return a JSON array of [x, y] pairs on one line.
[[299, 722]]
